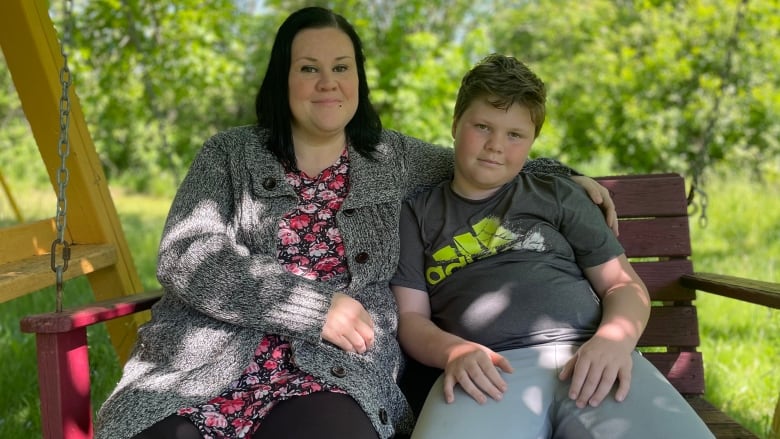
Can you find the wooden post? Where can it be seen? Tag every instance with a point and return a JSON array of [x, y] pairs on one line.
[[32, 52], [11, 200], [65, 406], [63, 372], [775, 433]]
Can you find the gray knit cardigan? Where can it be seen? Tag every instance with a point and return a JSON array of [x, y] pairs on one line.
[[224, 288]]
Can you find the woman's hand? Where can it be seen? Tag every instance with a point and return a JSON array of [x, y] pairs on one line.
[[348, 325], [600, 195]]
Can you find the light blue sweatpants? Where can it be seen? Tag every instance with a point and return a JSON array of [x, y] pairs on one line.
[[536, 405]]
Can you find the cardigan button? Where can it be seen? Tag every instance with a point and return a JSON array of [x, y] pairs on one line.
[[383, 416], [338, 371], [361, 258], [269, 183], [349, 212]]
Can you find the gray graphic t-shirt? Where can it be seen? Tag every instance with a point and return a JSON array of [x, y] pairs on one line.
[[506, 271]]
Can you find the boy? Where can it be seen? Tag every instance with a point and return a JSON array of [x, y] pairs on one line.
[[501, 261]]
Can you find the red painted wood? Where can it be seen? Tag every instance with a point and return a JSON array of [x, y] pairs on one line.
[[656, 237], [67, 320], [683, 369], [63, 362], [672, 326], [662, 279], [747, 290], [647, 195], [63, 377], [721, 425]]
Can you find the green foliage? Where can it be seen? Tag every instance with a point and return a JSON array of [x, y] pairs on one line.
[[646, 84], [659, 86], [740, 340], [157, 78], [142, 219]]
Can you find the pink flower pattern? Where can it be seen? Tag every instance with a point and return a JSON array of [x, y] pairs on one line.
[[309, 245], [239, 410], [311, 227]]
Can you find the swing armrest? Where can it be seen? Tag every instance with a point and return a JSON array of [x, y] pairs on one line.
[[746, 290], [90, 314], [63, 361]]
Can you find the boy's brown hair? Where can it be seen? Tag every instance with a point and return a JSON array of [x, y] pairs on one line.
[[504, 81]]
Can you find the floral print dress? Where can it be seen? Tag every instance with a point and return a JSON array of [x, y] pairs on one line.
[[309, 245]]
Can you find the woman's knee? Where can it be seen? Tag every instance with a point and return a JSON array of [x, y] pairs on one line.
[[172, 427], [325, 415]]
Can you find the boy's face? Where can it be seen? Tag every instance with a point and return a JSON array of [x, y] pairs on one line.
[[491, 147]]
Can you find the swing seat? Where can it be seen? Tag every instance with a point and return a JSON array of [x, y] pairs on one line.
[[654, 231], [32, 272]]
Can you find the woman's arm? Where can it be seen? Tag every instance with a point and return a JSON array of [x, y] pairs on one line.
[[202, 263]]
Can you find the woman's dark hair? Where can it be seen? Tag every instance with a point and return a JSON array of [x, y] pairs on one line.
[[273, 100]]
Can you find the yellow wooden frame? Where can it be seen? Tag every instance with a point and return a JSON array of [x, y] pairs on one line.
[[32, 51]]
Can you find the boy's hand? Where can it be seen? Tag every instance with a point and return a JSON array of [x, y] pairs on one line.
[[594, 369], [348, 325], [473, 366]]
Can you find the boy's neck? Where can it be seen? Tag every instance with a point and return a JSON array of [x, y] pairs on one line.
[[470, 192]]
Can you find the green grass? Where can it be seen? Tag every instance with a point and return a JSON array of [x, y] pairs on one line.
[[740, 342], [142, 219]]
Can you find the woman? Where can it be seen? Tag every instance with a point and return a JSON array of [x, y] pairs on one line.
[[277, 318]]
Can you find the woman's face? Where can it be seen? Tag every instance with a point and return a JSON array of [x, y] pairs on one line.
[[323, 83]]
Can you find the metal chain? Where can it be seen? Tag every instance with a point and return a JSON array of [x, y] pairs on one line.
[[701, 205], [63, 149], [702, 159]]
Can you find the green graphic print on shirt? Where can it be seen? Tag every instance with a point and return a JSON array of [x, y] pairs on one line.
[[486, 238]]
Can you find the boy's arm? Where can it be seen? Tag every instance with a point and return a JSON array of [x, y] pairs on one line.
[[471, 365], [597, 193], [602, 198], [606, 357]]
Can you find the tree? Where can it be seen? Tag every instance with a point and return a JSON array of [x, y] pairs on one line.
[[417, 51], [654, 85], [650, 83], [159, 77]]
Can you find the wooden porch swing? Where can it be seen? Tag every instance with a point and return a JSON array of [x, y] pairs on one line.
[[97, 246], [654, 230]]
